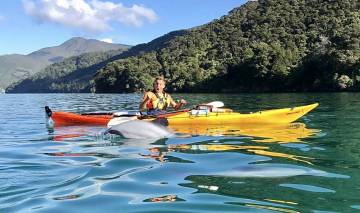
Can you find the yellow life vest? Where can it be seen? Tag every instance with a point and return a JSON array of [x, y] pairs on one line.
[[160, 102]]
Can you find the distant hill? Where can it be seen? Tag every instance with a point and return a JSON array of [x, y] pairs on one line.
[[74, 74], [70, 75], [73, 47], [15, 67], [264, 45]]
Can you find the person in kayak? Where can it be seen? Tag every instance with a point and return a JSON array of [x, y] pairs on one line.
[[157, 101]]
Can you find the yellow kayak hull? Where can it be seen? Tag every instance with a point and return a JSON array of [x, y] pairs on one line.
[[275, 116]]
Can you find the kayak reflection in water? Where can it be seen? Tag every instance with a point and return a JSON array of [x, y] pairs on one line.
[[157, 101]]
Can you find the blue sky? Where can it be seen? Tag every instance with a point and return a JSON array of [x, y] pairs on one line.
[[29, 25]]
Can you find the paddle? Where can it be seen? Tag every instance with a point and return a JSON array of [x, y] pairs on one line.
[[125, 117], [214, 104]]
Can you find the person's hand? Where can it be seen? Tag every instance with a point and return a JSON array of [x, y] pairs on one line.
[[182, 102], [179, 104]]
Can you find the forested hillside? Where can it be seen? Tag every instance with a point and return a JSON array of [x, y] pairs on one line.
[[264, 45]]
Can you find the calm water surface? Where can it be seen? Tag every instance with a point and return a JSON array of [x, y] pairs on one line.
[[310, 166]]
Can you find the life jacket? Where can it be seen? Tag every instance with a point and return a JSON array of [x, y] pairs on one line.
[[158, 102]]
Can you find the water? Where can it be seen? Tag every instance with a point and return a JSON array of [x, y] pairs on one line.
[[312, 166]]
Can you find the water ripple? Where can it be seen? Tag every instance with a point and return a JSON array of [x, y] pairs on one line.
[[309, 166]]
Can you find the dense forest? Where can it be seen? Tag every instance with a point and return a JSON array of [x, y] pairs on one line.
[[265, 45], [262, 46]]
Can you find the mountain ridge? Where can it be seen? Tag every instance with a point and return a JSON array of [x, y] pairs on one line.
[[14, 67], [53, 79]]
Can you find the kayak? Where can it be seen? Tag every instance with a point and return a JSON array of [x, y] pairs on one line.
[[207, 116], [275, 116], [59, 118]]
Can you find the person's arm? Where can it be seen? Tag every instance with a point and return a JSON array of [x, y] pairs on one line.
[[143, 102], [175, 105]]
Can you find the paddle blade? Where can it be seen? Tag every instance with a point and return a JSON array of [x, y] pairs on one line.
[[215, 104]]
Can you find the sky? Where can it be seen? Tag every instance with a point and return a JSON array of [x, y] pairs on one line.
[[29, 25]]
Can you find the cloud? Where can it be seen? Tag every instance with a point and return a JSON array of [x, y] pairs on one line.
[[2, 18], [94, 15], [107, 40]]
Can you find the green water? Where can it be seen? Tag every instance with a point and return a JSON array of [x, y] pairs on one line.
[[311, 167]]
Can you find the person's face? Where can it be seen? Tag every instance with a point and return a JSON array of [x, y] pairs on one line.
[[159, 85]]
